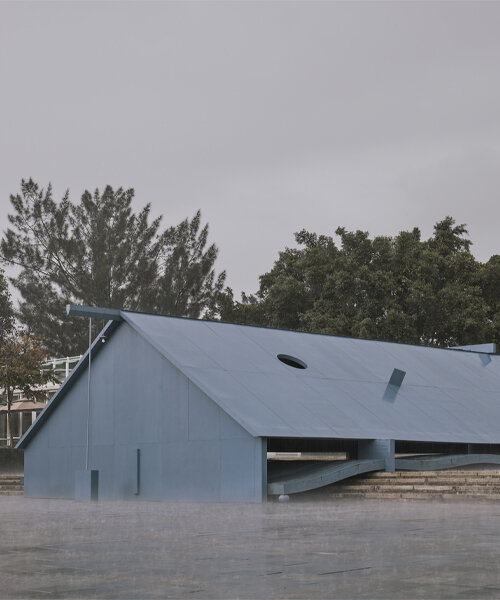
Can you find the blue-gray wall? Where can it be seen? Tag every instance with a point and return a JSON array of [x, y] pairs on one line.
[[191, 450]]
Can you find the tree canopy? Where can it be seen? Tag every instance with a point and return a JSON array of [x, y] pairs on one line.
[[400, 288], [22, 360], [6, 309], [100, 252], [22, 368]]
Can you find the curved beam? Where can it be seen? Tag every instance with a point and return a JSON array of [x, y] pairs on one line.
[[437, 463], [313, 476]]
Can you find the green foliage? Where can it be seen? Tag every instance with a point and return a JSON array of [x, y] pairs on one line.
[[100, 253], [401, 289], [21, 359], [6, 310], [22, 368], [186, 285]]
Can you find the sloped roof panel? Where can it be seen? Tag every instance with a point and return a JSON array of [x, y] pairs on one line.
[[239, 402], [446, 395]]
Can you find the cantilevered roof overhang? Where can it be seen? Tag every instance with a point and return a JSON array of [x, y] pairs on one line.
[[350, 388]]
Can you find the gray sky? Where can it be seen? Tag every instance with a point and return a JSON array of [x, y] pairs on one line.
[[270, 117]]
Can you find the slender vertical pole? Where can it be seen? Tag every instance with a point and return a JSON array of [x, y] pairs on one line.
[[8, 429], [88, 399], [138, 480]]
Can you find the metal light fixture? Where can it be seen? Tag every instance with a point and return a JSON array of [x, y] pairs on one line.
[[87, 482]]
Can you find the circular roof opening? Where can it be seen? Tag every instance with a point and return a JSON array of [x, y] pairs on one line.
[[291, 361]]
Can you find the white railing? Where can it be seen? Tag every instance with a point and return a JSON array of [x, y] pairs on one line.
[[23, 417], [63, 366]]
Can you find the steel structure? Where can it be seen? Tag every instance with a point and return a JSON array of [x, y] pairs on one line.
[[201, 401]]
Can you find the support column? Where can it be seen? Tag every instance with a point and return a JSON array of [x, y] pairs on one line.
[[86, 485], [261, 470], [263, 477], [378, 449]]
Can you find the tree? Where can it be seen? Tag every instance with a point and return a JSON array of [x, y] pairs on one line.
[[99, 252], [6, 310], [187, 285], [22, 368], [401, 289], [21, 359]]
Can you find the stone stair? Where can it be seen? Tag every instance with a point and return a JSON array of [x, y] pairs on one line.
[[417, 485], [11, 485]]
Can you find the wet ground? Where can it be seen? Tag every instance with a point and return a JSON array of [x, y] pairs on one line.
[[327, 549]]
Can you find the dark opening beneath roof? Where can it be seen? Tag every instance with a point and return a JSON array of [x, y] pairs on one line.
[[291, 361]]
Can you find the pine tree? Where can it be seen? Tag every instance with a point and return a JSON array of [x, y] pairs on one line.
[[6, 309], [100, 253], [187, 284]]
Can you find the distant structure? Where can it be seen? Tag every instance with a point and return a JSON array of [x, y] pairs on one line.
[[24, 411], [187, 410]]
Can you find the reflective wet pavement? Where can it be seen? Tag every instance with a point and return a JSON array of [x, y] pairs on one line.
[[322, 549]]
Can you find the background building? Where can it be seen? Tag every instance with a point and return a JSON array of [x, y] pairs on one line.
[[24, 411]]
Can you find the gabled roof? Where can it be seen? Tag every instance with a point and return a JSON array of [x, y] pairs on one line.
[[67, 384], [446, 395]]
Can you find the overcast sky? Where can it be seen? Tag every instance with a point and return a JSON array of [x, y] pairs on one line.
[[269, 117]]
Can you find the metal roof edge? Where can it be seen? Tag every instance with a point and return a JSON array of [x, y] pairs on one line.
[[487, 348], [67, 384], [298, 331], [119, 313], [81, 310], [199, 384]]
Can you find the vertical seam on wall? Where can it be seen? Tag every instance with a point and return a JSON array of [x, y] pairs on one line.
[[189, 410]]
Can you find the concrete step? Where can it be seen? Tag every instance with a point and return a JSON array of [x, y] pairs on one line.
[[421, 490], [433, 475], [403, 474], [11, 485], [397, 488], [434, 482], [417, 496], [423, 485], [438, 482], [426, 489]]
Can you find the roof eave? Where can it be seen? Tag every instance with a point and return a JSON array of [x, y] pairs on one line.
[[68, 383]]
